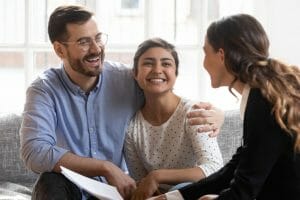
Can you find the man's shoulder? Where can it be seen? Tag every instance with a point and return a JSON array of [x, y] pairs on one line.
[[117, 72], [118, 67], [50, 75]]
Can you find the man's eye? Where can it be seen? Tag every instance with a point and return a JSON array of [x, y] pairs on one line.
[[98, 39], [83, 42]]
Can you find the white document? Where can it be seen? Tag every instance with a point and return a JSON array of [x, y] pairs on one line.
[[97, 189]]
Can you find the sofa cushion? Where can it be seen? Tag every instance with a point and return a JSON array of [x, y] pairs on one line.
[[12, 168], [230, 136], [14, 191]]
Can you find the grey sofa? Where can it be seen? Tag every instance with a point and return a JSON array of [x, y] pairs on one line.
[[16, 181]]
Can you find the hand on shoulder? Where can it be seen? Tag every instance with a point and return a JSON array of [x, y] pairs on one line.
[[209, 117]]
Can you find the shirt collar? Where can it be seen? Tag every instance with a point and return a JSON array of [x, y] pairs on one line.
[[75, 88], [245, 95]]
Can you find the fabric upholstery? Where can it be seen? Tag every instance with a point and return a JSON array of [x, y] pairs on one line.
[[11, 166], [14, 191], [230, 137]]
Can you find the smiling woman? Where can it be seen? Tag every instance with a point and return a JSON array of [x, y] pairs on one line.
[[161, 148]]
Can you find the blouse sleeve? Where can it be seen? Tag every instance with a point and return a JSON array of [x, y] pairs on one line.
[[134, 163], [206, 149]]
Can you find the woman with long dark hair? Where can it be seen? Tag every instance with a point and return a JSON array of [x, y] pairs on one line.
[[267, 165]]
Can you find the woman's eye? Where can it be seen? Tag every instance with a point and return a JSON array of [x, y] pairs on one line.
[[147, 64], [167, 64]]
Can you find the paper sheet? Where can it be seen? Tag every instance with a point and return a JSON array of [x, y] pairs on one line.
[[97, 189]]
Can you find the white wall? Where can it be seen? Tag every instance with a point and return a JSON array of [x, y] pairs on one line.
[[281, 22]]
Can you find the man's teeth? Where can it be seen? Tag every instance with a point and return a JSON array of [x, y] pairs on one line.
[[93, 59]]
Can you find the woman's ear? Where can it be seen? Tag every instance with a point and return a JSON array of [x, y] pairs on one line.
[[58, 48], [222, 54], [134, 73]]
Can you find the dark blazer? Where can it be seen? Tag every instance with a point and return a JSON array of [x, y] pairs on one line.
[[265, 167]]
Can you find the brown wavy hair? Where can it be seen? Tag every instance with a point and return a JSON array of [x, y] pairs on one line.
[[246, 48]]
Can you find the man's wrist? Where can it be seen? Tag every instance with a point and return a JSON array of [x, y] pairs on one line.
[[105, 168]]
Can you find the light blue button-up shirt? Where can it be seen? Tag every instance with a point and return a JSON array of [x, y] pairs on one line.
[[60, 117]]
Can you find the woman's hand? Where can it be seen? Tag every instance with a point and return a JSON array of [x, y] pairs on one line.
[[147, 187], [160, 197], [208, 197], [209, 117]]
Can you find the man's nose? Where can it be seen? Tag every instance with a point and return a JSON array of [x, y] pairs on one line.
[[96, 47]]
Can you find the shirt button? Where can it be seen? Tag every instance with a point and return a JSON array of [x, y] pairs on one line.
[[91, 129], [94, 153]]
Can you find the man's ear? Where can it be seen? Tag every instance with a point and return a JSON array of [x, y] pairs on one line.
[[59, 49]]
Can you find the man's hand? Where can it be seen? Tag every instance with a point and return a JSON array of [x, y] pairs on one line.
[[116, 177], [146, 188], [210, 118]]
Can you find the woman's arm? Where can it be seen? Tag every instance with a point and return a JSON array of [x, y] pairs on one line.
[[134, 163], [206, 151]]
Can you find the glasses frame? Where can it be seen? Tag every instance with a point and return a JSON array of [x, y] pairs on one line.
[[86, 45]]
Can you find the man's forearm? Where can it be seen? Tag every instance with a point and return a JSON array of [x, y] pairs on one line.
[[86, 166]]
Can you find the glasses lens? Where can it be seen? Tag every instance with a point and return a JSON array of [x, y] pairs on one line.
[[104, 38], [86, 43]]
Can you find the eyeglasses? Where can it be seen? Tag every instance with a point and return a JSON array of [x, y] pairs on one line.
[[85, 43]]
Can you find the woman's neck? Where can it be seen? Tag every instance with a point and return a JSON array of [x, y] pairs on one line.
[[158, 109], [239, 86]]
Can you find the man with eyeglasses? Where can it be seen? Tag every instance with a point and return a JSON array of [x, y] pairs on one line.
[[76, 115]]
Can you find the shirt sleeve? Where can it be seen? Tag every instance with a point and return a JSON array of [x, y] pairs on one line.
[[206, 149], [174, 195], [264, 143], [134, 162], [214, 183], [37, 133]]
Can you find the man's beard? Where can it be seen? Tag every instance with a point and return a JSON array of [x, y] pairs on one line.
[[78, 65]]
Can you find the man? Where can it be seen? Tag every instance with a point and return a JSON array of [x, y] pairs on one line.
[[76, 115]]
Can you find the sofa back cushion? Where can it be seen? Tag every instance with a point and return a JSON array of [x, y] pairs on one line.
[[12, 168], [230, 136]]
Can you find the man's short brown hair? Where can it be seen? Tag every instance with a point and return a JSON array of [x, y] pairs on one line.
[[64, 15]]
